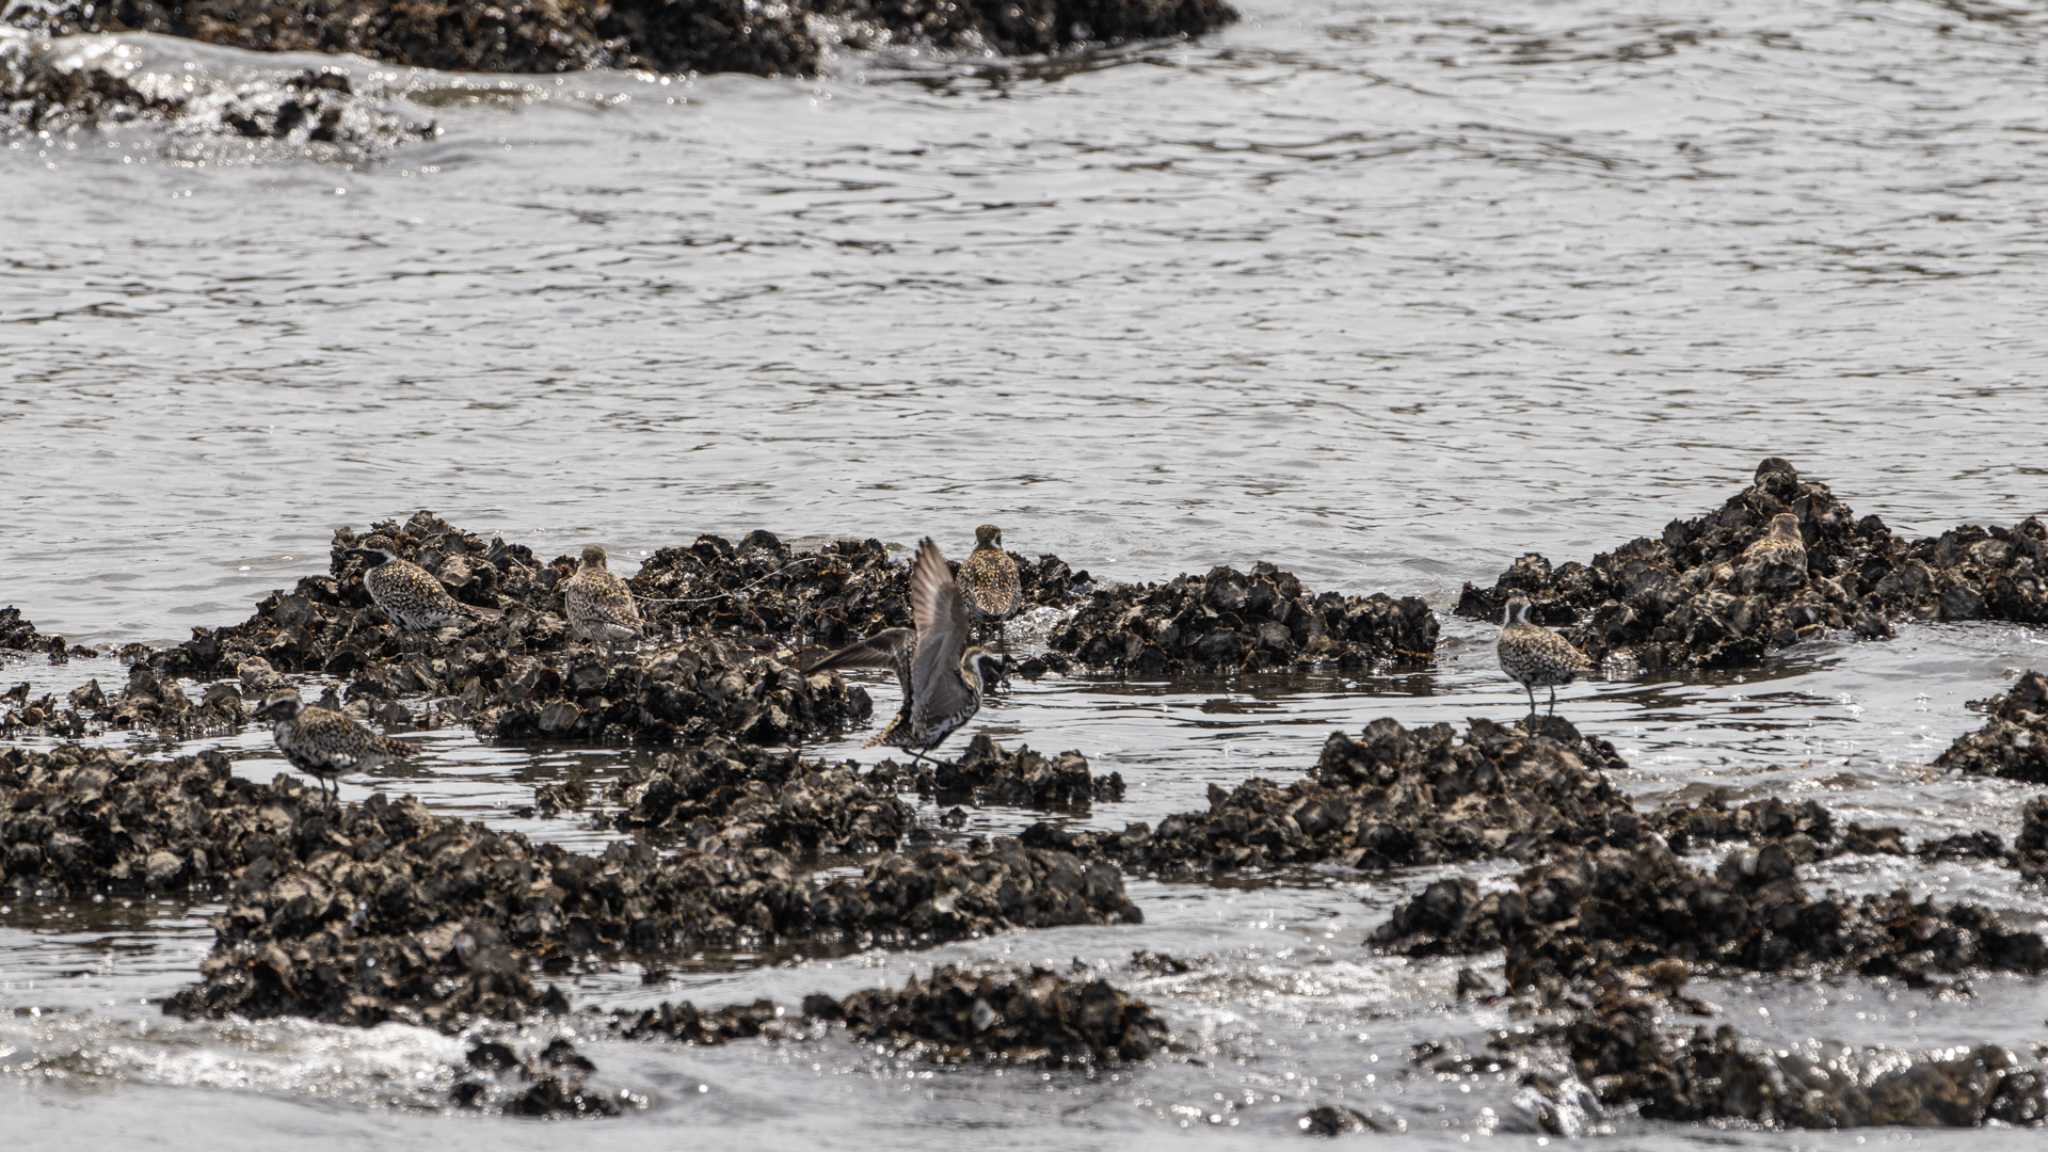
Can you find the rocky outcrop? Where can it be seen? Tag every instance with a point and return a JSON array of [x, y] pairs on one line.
[[2013, 743], [1394, 797], [726, 797], [1584, 915], [1691, 599], [1228, 621], [657, 35]]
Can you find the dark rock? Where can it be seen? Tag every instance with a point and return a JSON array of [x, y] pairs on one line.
[[1393, 798], [1336, 1120], [1585, 914], [960, 1015], [1228, 622], [720, 796], [827, 598], [684, 1023], [17, 633], [658, 35], [2013, 743], [1688, 600], [1617, 1047], [985, 774]]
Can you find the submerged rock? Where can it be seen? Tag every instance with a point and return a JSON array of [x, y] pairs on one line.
[[553, 1082], [51, 86], [2013, 743], [658, 35], [1586, 914], [1228, 621], [1395, 797], [1692, 598]]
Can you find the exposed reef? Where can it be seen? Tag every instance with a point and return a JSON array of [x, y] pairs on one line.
[[845, 590], [2013, 743], [955, 1015], [1691, 598], [657, 35], [1228, 621], [985, 774], [1583, 915], [1394, 797], [721, 796]]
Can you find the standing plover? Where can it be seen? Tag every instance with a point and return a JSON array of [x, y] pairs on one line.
[[1534, 656], [323, 743], [1778, 557], [599, 605], [941, 677], [411, 596], [989, 578]]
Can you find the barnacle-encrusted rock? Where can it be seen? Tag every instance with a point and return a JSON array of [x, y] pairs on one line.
[[986, 774], [956, 1015], [1394, 797], [2013, 742], [1690, 599], [657, 35], [17, 632], [829, 598], [721, 796], [1583, 914], [961, 1015], [1619, 1046], [1228, 621]]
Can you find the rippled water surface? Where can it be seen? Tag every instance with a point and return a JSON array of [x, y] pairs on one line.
[[1387, 293]]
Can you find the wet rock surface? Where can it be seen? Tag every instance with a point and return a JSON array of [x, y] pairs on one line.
[[987, 775], [552, 1082], [1394, 797], [1691, 598], [959, 1015], [827, 598], [17, 632], [1619, 1047], [515, 674], [2013, 743], [149, 703], [1228, 621], [955, 1015], [1584, 914], [60, 86], [722, 796], [658, 35]]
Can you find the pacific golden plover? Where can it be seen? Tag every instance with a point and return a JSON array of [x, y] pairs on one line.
[[324, 744], [599, 605], [1534, 656]]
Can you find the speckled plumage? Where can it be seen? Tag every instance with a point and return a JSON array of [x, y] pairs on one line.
[[941, 676], [323, 743], [1781, 543], [1534, 656], [410, 595], [989, 577], [599, 605]]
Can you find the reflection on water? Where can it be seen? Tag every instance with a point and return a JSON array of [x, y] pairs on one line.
[[1387, 294]]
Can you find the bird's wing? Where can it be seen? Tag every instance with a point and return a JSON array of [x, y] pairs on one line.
[[942, 630], [882, 650]]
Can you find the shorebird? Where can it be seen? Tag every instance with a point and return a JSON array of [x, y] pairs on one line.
[[411, 596], [941, 676], [324, 743], [1534, 656], [989, 578], [1781, 543], [598, 604]]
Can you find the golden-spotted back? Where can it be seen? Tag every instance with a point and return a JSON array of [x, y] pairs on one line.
[[1534, 656], [599, 605], [989, 577]]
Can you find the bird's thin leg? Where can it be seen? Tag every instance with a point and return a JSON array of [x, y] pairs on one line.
[[1531, 690], [1553, 699]]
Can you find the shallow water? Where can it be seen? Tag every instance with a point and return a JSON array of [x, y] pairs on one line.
[[1385, 293]]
